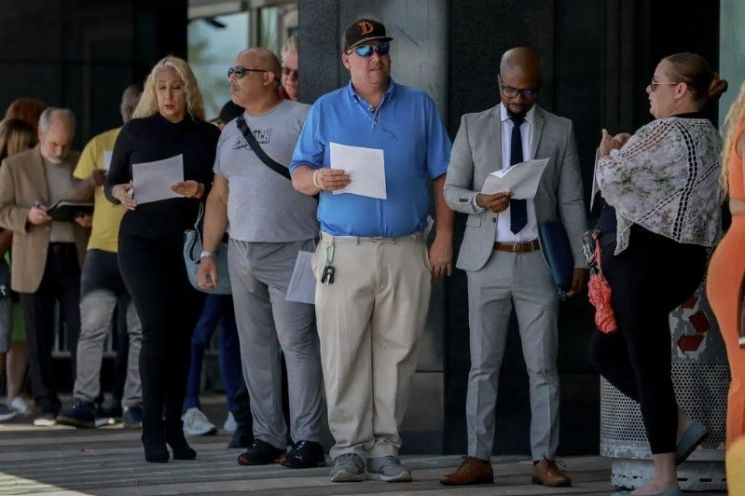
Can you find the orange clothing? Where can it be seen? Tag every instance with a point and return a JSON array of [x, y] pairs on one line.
[[726, 273], [736, 183]]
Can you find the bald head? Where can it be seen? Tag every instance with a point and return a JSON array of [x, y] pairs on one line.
[[519, 79], [130, 97], [256, 89], [523, 61], [260, 58]]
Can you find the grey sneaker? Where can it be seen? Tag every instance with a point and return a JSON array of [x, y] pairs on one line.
[[348, 467], [388, 469]]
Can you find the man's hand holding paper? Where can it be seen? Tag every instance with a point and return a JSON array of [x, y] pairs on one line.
[[498, 202], [364, 167], [521, 180]]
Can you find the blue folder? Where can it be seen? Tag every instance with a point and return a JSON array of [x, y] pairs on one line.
[[558, 254]]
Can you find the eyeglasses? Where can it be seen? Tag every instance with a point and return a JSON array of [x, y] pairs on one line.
[[654, 84], [290, 73], [366, 51], [240, 71], [511, 92]]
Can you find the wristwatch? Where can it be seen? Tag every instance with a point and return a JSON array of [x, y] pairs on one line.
[[206, 254]]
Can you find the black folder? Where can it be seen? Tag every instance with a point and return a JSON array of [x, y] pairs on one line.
[[558, 253], [66, 210]]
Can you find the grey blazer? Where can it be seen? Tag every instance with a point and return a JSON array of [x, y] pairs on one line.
[[477, 153]]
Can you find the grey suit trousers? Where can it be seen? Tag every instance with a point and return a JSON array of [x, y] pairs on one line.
[[522, 280], [267, 324]]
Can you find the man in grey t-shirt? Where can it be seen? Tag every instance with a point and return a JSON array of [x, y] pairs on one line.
[[270, 223]]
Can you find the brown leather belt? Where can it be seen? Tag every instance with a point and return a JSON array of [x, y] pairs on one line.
[[525, 247]]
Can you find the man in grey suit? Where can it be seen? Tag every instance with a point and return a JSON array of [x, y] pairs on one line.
[[501, 254]]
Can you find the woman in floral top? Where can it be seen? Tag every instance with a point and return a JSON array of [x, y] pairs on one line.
[[662, 210]]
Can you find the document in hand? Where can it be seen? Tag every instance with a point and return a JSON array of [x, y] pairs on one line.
[[521, 179], [302, 287], [152, 181], [107, 160], [67, 211], [365, 167]]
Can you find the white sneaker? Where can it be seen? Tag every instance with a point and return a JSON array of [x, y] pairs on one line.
[[196, 423], [230, 426], [20, 406]]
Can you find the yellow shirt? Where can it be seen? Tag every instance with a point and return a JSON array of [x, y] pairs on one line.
[[106, 215]]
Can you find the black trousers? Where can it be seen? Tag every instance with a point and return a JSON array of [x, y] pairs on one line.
[[155, 276], [60, 283], [648, 280]]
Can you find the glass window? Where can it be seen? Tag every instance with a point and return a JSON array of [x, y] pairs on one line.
[[213, 44]]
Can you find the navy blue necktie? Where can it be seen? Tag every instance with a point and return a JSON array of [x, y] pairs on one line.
[[518, 208]]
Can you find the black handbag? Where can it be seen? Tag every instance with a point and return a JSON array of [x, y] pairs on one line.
[[192, 250]]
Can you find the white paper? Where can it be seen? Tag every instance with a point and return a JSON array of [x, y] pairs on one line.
[[521, 179], [152, 181], [106, 160], [366, 169], [595, 186], [302, 287]]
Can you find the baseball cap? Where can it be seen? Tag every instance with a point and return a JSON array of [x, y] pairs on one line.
[[362, 31]]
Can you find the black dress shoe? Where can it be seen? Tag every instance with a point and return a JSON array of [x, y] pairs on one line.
[[176, 440], [260, 453], [154, 442]]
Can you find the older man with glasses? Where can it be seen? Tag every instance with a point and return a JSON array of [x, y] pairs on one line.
[[270, 223], [501, 255], [372, 265]]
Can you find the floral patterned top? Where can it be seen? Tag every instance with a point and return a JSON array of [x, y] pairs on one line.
[[666, 179]]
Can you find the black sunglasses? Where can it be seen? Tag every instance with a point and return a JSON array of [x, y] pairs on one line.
[[368, 50], [240, 71]]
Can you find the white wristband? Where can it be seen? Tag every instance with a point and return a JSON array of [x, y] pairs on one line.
[[315, 179]]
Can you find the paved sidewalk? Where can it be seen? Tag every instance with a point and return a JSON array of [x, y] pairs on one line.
[[109, 461]]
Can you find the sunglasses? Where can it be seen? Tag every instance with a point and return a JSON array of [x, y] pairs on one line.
[[368, 50], [240, 71], [286, 71]]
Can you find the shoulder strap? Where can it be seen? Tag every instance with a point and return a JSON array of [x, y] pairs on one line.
[[251, 140]]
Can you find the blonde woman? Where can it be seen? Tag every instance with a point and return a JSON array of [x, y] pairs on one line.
[[727, 267], [16, 136], [169, 122]]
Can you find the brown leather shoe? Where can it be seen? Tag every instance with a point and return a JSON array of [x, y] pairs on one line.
[[547, 473], [472, 471]]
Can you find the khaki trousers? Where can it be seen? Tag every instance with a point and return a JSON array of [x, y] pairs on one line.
[[369, 321]]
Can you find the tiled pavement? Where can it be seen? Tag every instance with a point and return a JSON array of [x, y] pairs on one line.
[[109, 461]]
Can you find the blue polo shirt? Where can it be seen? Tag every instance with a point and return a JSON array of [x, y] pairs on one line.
[[416, 150]]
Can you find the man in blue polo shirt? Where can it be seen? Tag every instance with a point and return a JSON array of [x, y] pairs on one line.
[[372, 265]]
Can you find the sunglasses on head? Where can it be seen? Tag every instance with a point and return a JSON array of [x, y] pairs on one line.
[[240, 71], [368, 50]]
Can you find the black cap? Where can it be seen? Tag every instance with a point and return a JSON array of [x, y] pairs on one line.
[[364, 30], [229, 111]]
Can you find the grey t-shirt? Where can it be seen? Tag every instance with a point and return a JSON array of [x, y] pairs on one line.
[[262, 205]]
